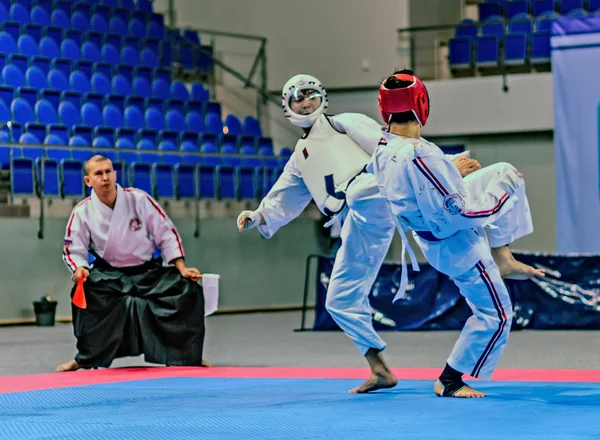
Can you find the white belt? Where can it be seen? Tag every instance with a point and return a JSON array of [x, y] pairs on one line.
[[405, 243]]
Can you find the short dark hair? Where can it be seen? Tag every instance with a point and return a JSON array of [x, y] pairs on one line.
[[391, 83], [94, 158]]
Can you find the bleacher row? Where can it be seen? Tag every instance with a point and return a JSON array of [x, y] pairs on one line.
[[96, 32], [63, 178], [512, 33]]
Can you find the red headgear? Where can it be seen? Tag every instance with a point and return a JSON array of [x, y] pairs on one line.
[[412, 98]]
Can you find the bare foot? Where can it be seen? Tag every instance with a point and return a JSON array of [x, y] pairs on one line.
[[511, 268], [377, 381], [464, 392], [67, 366], [205, 364]]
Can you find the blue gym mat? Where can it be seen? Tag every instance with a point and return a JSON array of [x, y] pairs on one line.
[[246, 409]]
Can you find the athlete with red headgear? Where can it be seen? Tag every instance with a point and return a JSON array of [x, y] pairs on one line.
[[447, 215]]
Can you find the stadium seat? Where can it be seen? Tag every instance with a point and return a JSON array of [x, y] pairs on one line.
[[489, 9], [164, 180], [247, 182], [461, 52], [540, 47], [517, 7], [521, 24], [48, 181], [199, 93], [515, 50], [568, 6], [71, 176], [543, 6], [39, 15], [141, 176], [488, 51], [179, 91], [22, 176]]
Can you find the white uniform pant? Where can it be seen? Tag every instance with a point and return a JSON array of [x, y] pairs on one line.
[[367, 233], [484, 336]]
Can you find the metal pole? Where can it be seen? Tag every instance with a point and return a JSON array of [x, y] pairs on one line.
[[41, 196], [171, 13]]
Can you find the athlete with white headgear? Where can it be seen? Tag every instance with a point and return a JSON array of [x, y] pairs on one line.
[[447, 215], [327, 166]]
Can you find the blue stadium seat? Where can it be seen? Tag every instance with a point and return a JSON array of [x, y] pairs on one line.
[[21, 111], [12, 76], [247, 183], [148, 58], [568, 6], [90, 52], [227, 186], [110, 54], [179, 91], [39, 15], [121, 86], [174, 121], [90, 115], [117, 25], [98, 23], [466, 28], [134, 118], [57, 80], [112, 116], [47, 176], [252, 127], [22, 176], [60, 18], [488, 51], [227, 151], [80, 21], [515, 49], [207, 181], [146, 144], [130, 56], [19, 13], [69, 114], [164, 180], [540, 47], [213, 124], [79, 83], [517, 7], [27, 46], [71, 176], [493, 26], [194, 122], [461, 52], [141, 176], [594, 6], [543, 6], [234, 126], [490, 9], [144, 5], [45, 112], [48, 48], [160, 89], [210, 148], [154, 119], [60, 131], [199, 93], [521, 24], [35, 78], [141, 87], [136, 28], [155, 30], [185, 181], [4, 150], [41, 63], [69, 49], [100, 84], [250, 161], [7, 43]]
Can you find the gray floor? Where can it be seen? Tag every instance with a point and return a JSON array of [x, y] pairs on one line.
[[269, 340]]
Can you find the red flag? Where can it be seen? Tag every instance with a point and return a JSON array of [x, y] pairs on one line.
[[79, 297]]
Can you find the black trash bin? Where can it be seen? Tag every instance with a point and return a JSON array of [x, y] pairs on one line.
[[45, 312]]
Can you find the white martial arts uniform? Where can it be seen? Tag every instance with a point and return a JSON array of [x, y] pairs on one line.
[[124, 236], [447, 215], [367, 224], [134, 303]]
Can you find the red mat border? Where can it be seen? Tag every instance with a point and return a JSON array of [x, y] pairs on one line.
[[14, 384]]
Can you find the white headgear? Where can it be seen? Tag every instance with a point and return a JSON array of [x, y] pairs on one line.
[[295, 84]]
